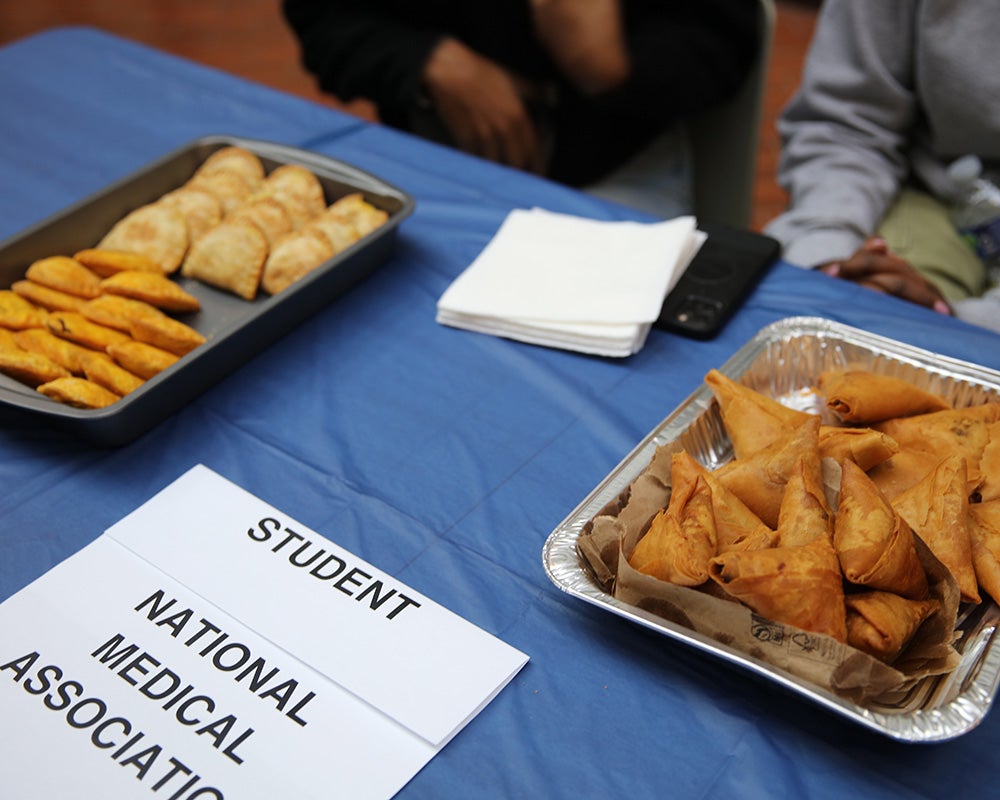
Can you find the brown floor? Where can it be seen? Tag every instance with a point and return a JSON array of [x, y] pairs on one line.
[[249, 38]]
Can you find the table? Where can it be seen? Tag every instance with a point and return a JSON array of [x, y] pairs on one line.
[[443, 457]]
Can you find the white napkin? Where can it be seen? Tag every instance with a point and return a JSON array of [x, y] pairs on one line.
[[564, 281]]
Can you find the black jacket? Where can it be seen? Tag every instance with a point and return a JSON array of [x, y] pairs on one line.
[[687, 55]]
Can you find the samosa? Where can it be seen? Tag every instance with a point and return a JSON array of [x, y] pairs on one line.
[[799, 585], [882, 623], [866, 447], [752, 419], [759, 479], [805, 513], [937, 509], [873, 542], [681, 538], [984, 531], [860, 396]]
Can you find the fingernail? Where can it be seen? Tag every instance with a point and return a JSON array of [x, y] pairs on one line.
[[942, 307], [833, 270]]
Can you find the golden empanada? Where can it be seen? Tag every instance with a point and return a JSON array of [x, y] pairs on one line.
[[112, 376], [117, 312], [62, 351], [155, 230], [47, 298], [17, 313], [157, 290], [65, 275], [166, 333], [78, 392], [141, 359], [105, 263], [293, 257], [77, 328], [30, 368], [230, 256]]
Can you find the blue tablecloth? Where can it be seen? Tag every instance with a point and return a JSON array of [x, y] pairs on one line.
[[443, 457]]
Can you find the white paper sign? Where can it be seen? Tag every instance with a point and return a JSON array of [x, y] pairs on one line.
[[183, 653]]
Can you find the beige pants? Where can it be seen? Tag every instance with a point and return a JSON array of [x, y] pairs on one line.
[[918, 229]]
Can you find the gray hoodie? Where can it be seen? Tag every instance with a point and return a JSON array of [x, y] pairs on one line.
[[892, 90]]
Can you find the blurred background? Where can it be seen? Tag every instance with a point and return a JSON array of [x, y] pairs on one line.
[[250, 38]]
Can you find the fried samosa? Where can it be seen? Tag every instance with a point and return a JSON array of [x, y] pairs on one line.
[[937, 509], [859, 396], [864, 446], [882, 623], [805, 514], [681, 538], [984, 531], [759, 479], [873, 542], [752, 419], [800, 585]]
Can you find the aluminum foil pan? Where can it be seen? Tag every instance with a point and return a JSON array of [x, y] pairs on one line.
[[784, 360]]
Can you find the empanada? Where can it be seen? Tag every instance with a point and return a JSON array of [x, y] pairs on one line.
[[47, 298], [77, 328], [117, 312], [141, 359], [267, 214], [293, 257], [230, 256], [166, 333], [157, 290], [67, 354], [154, 230], [30, 368], [200, 208], [234, 158], [113, 377], [17, 313], [64, 274], [105, 263], [298, 190], [229, 188], [78, 392]]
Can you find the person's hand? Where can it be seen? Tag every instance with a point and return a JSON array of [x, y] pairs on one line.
[[876, 268], [586, 40], [481, 104]]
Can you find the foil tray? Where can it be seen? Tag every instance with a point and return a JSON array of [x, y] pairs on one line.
[[235, 329], [783, 360]]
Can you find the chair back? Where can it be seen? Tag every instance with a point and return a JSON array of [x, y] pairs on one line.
[[725, 140]]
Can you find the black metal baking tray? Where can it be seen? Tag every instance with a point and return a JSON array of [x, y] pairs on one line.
[[235, 329]]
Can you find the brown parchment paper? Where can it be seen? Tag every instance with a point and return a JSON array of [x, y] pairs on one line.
[[608, 539]]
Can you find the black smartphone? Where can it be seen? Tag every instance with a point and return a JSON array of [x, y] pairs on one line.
[[727, 266]]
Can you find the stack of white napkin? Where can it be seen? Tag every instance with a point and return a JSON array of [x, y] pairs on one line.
[[564, 281]]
